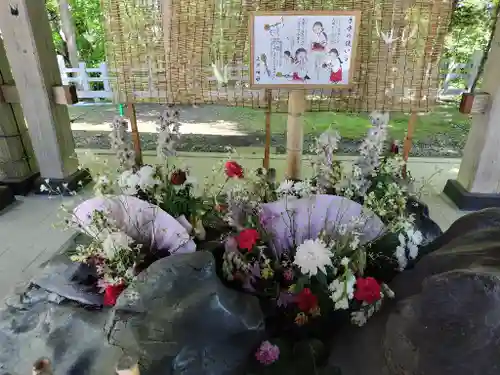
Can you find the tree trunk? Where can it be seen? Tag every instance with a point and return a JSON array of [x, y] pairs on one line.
[[69, 32]]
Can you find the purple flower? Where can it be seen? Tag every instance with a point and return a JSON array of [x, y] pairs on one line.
[[267, 353], [284, 299]]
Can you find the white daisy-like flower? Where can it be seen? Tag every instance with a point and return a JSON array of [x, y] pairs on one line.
[[303, 188], [128, 182], [344, 262], [146, 177], [115, 241], [285, 188], [312, 256]]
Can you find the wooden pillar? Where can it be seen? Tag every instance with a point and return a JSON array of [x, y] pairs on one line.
[[18, 167], [30, 50], [478, 182], [295, 133]]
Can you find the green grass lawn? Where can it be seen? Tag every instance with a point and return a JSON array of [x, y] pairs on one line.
[[444, 123], [445, 120]]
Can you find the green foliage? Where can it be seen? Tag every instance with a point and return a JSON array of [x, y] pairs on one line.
[[470, 28], [88, 20]]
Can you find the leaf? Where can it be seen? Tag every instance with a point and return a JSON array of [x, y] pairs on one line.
[[321, 277], [301, 283]]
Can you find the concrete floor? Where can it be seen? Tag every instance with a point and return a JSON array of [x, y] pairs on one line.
[[28, 236]]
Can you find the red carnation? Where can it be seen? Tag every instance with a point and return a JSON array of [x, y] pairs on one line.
[[367, 290], [247, 238], [112, 292], [306, 300], [233, 169], [178, 177]]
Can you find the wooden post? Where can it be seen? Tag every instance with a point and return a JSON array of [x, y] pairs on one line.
[[17, 160], [478, 183], [267, 148], [295, 133], [409, 138], [132, 115], [30, 50]]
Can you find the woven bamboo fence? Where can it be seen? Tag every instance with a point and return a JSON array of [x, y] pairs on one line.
[[165, 51]]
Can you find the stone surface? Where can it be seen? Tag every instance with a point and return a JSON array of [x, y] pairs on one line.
[[178, 315], [446, 317], [178, 318], [74, 281], [31, 326]]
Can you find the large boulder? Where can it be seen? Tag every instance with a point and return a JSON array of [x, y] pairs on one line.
[[179, 317], [446, 317]]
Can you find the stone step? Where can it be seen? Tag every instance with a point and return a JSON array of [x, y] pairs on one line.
[[6, 197]]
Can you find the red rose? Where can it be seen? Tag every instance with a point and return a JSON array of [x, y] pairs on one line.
[[112, 292], [247, 238], [394, 148], [220, 207], [306, 300], [178, 177], [233, 169], [367, 290]]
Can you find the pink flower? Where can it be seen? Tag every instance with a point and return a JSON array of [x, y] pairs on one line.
[[267, 353], [288, 274], [233, 169]]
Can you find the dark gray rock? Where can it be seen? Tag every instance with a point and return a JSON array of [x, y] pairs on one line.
[[446, 318], [181, 319], [71, 280], [71, 337]]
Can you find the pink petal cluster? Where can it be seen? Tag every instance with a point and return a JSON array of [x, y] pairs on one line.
[[267, 353]]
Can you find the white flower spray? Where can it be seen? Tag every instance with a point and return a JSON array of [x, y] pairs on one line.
[[121, 143], [371, 151], [327, 169], [168, 133]]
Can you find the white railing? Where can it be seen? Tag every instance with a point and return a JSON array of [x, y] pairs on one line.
[[454, 75]]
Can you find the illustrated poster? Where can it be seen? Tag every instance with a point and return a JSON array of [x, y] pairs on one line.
[[303, 49]]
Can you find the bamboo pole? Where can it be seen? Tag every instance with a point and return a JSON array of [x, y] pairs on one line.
[[295, 133], [267, 149], [132, 115], [409, 137]]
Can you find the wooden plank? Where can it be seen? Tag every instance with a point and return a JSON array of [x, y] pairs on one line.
[[17, 159], [29, 47], [65, 95]]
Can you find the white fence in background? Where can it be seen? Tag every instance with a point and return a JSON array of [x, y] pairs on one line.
[[454, 76]]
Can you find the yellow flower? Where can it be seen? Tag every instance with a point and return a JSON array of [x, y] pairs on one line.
[[315, 312], [301, 319], [267, 273]]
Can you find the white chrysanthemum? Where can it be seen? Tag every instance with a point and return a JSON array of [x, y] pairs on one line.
[[115, 241], [128, 182], [147, 178], [312, 256], [285, 188]]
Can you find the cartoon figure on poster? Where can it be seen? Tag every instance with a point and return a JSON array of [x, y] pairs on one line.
[[334, 66], [313, 49]]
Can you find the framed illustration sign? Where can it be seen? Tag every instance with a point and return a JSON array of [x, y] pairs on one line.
[[300, 49]]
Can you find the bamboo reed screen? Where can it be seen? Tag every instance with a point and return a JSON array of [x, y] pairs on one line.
[[164, 51]]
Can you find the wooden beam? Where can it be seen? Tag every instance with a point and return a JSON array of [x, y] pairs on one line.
[[64, 95], [17, 161], [28, 43]]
